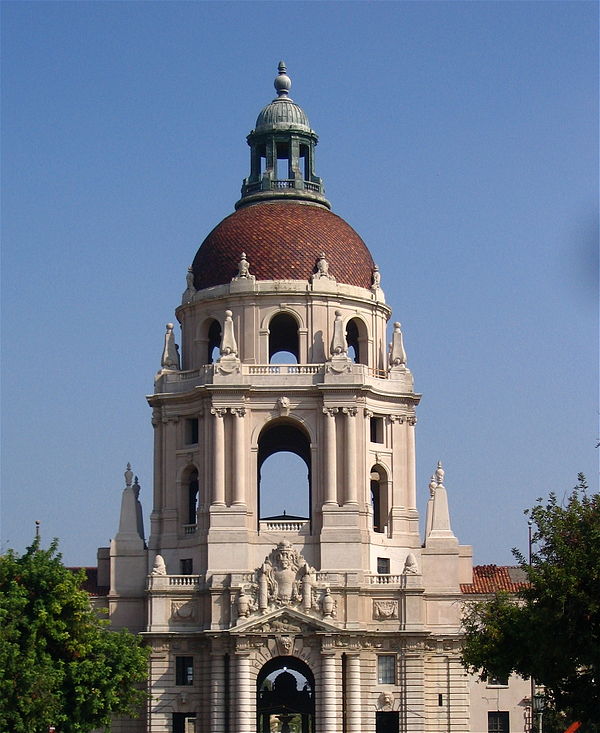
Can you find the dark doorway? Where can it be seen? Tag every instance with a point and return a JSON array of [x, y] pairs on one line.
[[285, 700], [184, 722], [387, 722]]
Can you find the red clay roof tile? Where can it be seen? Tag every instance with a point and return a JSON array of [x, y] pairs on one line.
[[494, 578], [282, 241]]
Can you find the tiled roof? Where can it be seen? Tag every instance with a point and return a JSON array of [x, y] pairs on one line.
[[282, 241], [90, 584], [494, 578]]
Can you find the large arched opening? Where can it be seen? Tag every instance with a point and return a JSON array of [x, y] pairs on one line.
[[357, 339], [379, 498], [283, 339], [209, 341], [285, 697], [284, 445], [190, 497]]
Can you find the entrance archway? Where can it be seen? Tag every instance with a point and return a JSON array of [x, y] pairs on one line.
[[285, 697]]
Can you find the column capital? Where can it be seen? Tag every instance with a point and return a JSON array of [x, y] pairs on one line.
[[411, 420], [331, 411], [218, 411], [350, 411], [166, 419], [239, 411], [397, 419]]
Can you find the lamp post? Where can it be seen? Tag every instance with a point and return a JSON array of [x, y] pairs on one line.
[[538, 703], [532, 691]]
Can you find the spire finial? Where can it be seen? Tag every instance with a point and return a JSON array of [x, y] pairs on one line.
[[282, 81]]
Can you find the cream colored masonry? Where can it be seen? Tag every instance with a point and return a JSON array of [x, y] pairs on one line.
[[342, 613]]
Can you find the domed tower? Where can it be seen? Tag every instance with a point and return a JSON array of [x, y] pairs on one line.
[[284, 348]]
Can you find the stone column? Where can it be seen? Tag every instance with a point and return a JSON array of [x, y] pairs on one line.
[[411, 479], [243, 702], [218, 456], [353, 706], [399, 448], [217, 692], [330, 720], [351, 491], [169, 458], [239, 463], [330, 457]]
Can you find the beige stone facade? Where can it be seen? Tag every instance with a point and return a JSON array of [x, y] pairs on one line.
[[346, 620]]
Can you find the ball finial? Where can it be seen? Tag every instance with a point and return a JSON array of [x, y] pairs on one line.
[[282, 81]]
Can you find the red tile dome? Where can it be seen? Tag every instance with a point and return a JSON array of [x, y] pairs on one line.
[[282, 241]]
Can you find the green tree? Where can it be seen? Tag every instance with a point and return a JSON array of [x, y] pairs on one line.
[[551, 630], [59, 664]]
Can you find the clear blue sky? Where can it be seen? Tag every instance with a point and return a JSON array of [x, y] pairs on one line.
[[459, 139]]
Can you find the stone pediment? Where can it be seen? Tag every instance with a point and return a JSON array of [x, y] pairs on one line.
[[284, 621]]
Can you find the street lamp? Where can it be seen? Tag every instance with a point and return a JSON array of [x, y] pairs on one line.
[[539, 701], [531, 680]]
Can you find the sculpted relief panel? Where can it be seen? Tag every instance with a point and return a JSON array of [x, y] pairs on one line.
[[285, 579]]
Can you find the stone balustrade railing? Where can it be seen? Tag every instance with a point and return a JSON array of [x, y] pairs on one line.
[[177, 381], [283, 525], [377, 579], [174, 582]]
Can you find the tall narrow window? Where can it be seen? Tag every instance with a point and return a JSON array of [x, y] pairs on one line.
[[383, 566], [386, 669], [191, 431], [192, 498], [376, 426], [184, 670], [186, 566], [379, 498]]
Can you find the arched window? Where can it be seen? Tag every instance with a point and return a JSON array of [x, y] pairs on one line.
[[357, 340], [283, 337], [379, 498], [190, 495], [214, 341], [284, 472]]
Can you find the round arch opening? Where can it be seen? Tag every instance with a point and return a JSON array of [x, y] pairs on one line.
[[283, 339], [285, 697], [283, 436]]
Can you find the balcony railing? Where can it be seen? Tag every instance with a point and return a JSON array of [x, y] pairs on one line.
[[387, 579], [283, 525], [174, 583], [177, 381]]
